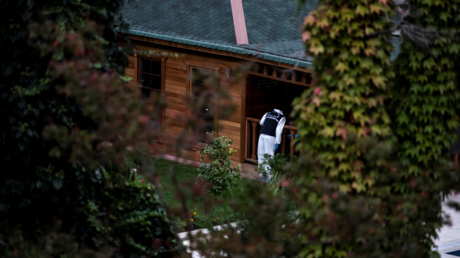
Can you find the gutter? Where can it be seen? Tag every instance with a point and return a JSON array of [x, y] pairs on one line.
[[232, 49]]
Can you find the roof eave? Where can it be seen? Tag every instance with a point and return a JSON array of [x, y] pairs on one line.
[[232, 49]]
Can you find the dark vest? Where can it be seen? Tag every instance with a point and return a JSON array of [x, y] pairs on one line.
[[271, 122]]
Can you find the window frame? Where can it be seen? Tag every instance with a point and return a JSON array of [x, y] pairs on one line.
[[140, 72], [190, 83], [162, 61]]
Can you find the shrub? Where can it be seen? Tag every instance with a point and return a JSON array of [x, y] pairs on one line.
[[219, 172], [277, 165], [67, 115]]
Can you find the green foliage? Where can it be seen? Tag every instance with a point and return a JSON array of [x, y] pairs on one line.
[[54, 245], [62, 98], [381, 172], [424, 110], [205, 210], [350, 73], [425, 94], [277, 165], [344, 126], [219, 172], [135, 210]]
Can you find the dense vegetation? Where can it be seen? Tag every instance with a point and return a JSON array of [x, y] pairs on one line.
[[423, 105], [63, 193], [374, 139], [373, 134]]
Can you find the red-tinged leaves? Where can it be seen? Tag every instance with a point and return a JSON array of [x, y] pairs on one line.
[[306, 36], [309, 20]]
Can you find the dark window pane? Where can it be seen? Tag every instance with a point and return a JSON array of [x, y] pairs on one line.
[[279, 73], [201, 135], [260, 68], [156, 68], [205, 110], [288, 75], [298, 76], [308, 75], [145, 65], [209, 123], [208, 111], [195, 105], [269, 70], [145, 80], [156, 82], [206, 121], [197, 76], [197, 89], [145, 92]]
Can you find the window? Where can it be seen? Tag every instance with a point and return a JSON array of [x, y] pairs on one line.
[[203, 106], [150, 80], [149, 77]]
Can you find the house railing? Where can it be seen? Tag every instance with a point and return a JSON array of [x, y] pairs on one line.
[[252, 139]]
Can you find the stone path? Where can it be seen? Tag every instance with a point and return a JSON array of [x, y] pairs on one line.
[[249, 171]]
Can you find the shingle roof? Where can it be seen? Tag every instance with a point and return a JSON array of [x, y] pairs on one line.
[[269, 21], [293, 48], [204, 20], [272, 25]]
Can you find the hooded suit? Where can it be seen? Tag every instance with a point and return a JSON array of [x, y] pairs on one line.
[[272, 127]]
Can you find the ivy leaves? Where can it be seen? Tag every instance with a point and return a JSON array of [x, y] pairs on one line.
[[425, 92], [350, 69]]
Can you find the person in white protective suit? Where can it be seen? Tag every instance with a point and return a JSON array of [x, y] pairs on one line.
[[270, 136]]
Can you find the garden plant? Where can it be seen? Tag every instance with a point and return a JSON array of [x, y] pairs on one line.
[[219, 173], [374, 138]]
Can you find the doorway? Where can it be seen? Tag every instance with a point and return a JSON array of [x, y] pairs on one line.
[[263, 95]]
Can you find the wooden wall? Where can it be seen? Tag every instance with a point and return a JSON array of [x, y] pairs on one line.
[[178, 60], [177, 86]]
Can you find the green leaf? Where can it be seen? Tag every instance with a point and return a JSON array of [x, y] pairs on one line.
[[362, 10], [341, 67]]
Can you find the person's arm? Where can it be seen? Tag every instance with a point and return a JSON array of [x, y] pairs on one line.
[[263, 119], [279, 130]]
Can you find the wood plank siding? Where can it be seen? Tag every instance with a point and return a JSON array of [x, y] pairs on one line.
[[178, 63]]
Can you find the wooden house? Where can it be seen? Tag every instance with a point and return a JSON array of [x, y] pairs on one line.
[[221, 36]]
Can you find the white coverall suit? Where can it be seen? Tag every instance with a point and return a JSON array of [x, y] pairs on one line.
[[267, 142]]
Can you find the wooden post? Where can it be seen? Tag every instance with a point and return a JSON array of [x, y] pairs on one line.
[[253, 154], [292, 142], [283, 142], [247, 141]]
